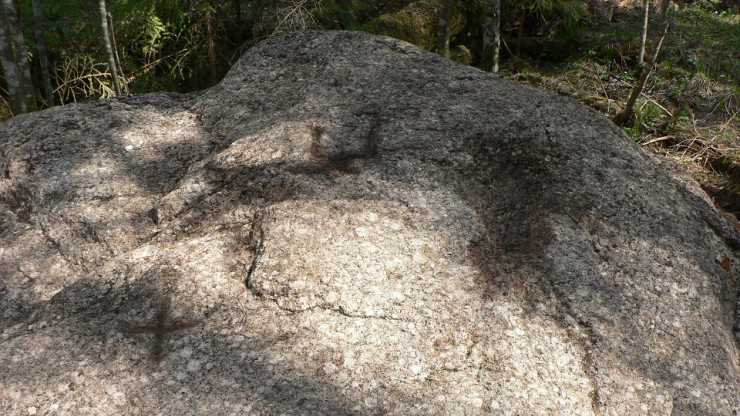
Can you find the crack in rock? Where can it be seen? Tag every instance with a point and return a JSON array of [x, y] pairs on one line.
[[256, 243], [341, 310]]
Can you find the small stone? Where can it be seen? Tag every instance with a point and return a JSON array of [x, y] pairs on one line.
[[193, 366]]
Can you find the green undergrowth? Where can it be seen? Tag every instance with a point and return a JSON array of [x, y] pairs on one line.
[[415, 23], [690, 108]]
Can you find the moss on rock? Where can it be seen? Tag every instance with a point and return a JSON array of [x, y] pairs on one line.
[[415, 23]]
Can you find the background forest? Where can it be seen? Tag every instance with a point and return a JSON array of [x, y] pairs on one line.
[[683, 101]]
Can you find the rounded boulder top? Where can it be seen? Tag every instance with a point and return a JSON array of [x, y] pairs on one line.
[[350, 225]]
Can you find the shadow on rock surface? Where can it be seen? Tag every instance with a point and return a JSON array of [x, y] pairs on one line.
[[416, 237], [199, 370]]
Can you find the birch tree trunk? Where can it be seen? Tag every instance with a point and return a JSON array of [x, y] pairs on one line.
[[626, 115], [19, 58], [119, 68], [443, 29], [43, 55], [491, 35], [644, 30], [108, 47]]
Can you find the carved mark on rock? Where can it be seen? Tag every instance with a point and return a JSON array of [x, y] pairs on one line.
[[20, 202], [315, 150], [160, 329], [342, 161], [373, 138]]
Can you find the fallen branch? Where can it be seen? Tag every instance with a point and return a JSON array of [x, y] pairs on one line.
[[657, 104], [658, 139]]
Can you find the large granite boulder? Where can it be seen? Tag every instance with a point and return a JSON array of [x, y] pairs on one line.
[[348, 225]]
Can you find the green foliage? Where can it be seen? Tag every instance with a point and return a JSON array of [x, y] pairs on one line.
[[162, 44], [683, 117], [696, 64], [338, 15], [655, 81], [416, 23], [569, 10], [708, 4], [709, 42], [648, 115], [574, 31], [5, 113], [548, 15], [355, 14], [535, 77], [562, 17], [152, 35], [633, 133], [80, 77]]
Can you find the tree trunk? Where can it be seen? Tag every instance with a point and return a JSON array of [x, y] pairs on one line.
[[108, 47], [211, 45], [7, 60], [491, 35], [19, 56], [626, 115], [236, 6], [643, 32], [443, 29], [43, 55], [124, 84], [520, 34]]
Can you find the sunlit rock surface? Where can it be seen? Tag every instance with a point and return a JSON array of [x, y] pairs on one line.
[[348, 225]]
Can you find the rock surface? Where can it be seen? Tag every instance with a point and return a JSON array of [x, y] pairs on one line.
[[348, 225]]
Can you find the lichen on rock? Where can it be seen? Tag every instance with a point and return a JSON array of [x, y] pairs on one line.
[[416, 23]]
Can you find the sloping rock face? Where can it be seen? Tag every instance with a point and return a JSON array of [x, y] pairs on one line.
[[348, 225]]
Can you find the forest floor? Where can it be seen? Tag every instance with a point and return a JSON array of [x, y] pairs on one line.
[[690, 108]]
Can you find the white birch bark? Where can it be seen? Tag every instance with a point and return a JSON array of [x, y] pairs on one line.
[[643, 31], [491, 35], [626, 114], [108, 48]]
